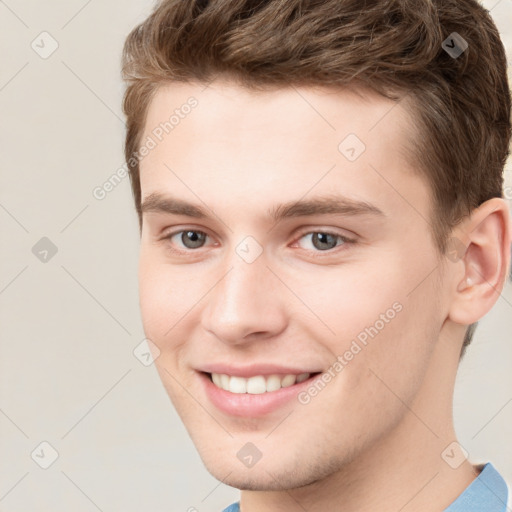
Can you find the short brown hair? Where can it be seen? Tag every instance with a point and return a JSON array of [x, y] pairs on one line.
[[460, 104]]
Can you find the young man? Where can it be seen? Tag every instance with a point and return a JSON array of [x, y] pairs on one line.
[[319, 188]]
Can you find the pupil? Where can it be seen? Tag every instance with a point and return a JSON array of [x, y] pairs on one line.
[[192, 239], [322, 238]]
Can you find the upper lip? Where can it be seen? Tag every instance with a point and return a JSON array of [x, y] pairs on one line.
[[254, 369]]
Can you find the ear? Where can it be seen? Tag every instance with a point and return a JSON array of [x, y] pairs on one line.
[[482, 248]]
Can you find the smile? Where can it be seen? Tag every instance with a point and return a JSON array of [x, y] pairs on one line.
[[254, 396], [258, 384]]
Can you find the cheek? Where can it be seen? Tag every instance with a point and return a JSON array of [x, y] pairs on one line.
[[166, 289], [165, 295], [348, 303], [374, 324], [387, 350]]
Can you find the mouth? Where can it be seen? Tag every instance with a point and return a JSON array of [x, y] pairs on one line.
[[255, 396]]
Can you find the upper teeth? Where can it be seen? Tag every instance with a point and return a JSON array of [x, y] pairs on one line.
[[257, 384]]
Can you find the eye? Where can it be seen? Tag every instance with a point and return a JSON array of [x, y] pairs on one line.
[[190, 238], [325, 241]]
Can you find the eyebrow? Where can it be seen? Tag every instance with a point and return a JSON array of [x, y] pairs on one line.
[[321, 205]]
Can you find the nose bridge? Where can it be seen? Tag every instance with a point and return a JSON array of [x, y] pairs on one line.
[[242, 302]]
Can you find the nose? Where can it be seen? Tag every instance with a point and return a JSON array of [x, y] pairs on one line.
[[245, 304]]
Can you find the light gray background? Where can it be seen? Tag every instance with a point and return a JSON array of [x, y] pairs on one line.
[[68, 375]]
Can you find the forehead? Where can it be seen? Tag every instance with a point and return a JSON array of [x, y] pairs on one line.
[[293, 112], [277, 145]]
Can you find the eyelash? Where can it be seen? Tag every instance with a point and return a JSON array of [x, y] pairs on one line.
[[345, 241]]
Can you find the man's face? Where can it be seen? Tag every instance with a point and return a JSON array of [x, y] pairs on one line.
[[238, 288]]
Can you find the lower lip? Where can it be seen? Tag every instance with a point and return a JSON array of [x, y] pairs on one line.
[[247, 404]]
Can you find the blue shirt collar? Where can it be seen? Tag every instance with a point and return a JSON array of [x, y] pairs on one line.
[[488, 492]]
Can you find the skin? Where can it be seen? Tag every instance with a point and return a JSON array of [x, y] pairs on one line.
[[372, 439]]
